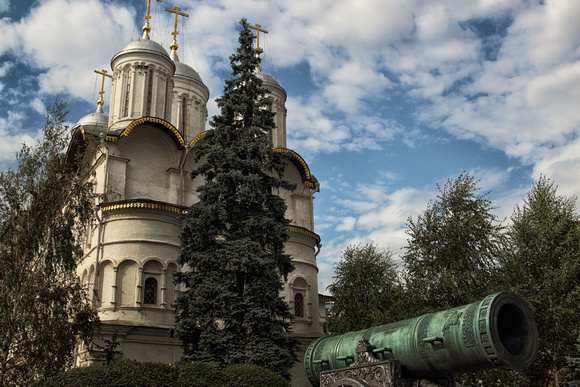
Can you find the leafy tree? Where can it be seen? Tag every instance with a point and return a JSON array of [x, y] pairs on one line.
[[451, 252], [543, 266], [44, 206], [233, 241], [366, 289]]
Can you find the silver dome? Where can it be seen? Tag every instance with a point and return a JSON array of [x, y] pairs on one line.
[[143, 45], [183, 70], [268, 80], [93, 123]]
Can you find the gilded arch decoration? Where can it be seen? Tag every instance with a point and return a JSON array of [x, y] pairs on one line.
[[299, 162], [157, 122]]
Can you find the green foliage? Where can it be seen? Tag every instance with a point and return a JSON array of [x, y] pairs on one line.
[[130, 373], [574, 364], [44, 206], [543, 266], [451, 254], [249, 375], [119, 374], [233, 241], [110, 347], [366, 289], [200, 374]]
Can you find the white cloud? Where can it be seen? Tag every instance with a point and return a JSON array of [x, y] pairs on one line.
[[347, 224], [85, 37], [562, 165], [9, 41]]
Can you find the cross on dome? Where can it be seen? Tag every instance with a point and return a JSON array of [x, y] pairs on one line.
[[174, 45], [258, 29], [146, 27], [101, 101]]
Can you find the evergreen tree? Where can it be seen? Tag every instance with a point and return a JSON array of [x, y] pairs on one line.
[[366, 289], [45, 205], [233, 242], [543, 266], [451, 254]]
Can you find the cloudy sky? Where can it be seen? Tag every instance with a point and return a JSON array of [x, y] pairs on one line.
[[386, 98]]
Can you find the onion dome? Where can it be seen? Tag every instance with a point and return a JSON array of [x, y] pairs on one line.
[[185, 71], [93, 123], [269, 81], [143, 46]]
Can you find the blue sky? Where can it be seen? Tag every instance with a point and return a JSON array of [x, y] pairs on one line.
[[386, 98]]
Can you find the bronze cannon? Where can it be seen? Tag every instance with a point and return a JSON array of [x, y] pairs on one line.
[[496, 332]]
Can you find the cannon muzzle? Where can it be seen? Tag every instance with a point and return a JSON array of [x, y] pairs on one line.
[[496, 332]]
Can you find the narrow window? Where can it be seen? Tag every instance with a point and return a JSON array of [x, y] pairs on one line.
[[150, 296], [149, 92], [183, 114], [299, 305], [127, 92]]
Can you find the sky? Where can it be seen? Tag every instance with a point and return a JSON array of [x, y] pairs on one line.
[[386, 98]]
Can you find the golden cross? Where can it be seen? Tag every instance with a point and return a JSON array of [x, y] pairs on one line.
[[174, 45], [258, 28], [101, 102], [146, 27]]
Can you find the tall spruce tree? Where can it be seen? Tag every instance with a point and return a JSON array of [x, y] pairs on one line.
[[233, 241]]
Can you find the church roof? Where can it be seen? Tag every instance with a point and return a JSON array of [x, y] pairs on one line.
[[269, 80], [185, 71], [93, 123], [143, 45]]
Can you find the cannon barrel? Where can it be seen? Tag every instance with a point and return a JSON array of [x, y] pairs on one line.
[[496, 332]]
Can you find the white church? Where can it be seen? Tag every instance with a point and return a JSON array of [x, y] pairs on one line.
[[141, 169]]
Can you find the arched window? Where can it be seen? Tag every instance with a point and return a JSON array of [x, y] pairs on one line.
[[150, 296], [299, 305]]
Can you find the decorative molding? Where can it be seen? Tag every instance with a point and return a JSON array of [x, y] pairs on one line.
[[141, 205], [159, 122], [304, 231], [197, 139], [301, 164]]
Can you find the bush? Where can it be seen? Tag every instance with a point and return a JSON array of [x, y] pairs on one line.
[[116, 374], [130, 373], [248, 375], [199, 374]]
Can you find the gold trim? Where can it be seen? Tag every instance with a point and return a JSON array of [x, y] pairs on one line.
[[307, 176], [197, 139], [303, 231], [149, 206], [110, 138], [82, 130], [155, 120]]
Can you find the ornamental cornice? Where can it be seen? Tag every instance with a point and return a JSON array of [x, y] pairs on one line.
[[306, 232], [142, 205]]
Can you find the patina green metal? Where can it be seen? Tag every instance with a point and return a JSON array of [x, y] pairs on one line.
[[496, 332]]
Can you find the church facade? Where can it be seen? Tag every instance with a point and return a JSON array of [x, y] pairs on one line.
[[141, 171]]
